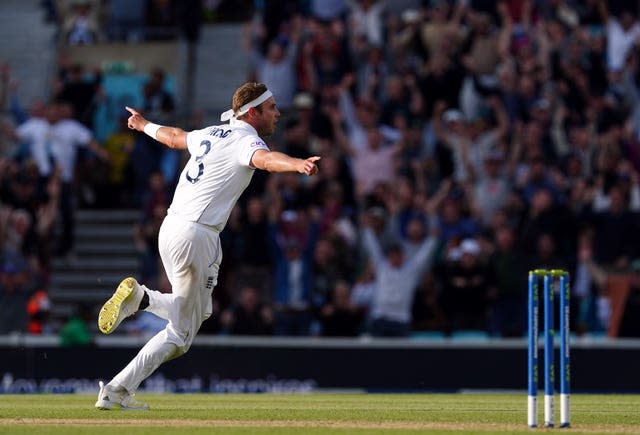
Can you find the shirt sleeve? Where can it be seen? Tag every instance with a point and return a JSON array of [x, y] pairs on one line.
[[248, 146]]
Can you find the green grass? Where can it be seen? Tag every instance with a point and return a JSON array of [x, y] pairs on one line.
[[310, 414]]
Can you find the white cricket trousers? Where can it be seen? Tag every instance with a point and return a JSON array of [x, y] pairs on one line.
[[191, 256]]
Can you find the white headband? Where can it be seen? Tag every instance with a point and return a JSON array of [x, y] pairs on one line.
[[244, 109]]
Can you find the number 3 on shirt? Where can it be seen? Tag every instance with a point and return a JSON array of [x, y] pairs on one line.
[[198, 165]]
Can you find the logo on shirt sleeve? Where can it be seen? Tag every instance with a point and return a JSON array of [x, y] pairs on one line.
[[258, 144]]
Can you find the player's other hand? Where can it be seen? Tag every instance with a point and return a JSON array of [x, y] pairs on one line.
[[135, 121], [309, 166]]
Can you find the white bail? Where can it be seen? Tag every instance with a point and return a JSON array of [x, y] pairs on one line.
[[226, 116]]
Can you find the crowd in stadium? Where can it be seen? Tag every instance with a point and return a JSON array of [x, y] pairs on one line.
[[463, 143]]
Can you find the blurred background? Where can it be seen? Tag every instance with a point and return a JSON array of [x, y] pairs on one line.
[[463, 143]]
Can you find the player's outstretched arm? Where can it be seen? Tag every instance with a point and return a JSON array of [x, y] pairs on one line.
[[274, 161], [172, 137]]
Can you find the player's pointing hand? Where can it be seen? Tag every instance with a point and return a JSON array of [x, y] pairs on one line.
[[309, 166], [135, 121]]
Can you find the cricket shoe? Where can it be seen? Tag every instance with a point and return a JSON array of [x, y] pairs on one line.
[[118, 399], [124, 302]]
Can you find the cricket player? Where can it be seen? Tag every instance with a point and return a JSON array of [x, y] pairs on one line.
[[223, 159]]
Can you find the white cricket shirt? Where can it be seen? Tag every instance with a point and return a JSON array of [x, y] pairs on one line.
[[217, 172]]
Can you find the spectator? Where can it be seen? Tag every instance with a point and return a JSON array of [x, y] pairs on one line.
[[615, 230], [622, 33], [276, 17], [339, 317], [539, 178], [357, 118], [333, 189], [407, 220], [296, 137], [80, 89], [546, 253], [470, 143], [34, 133], [158, 103], [27, 217], [116, 187], [508, 265], [618, 295], [20, 241], [466, 288], [292, 254], [370, 165], [492, 190], [324, 58], [366, 19], [440, 80], [46, 218], [67, 135], [451, 130], [579, 141], [546, 217], [80, 26], [14, 295], [395, 283], [585, 291], [75, 332], [399, 99], [39, 310], [332, 263], [483, 46], [276, 68], [454, 221], [441, 33], [372, 75], [427, 313], [250, 246], [248, 316], [623, 177]]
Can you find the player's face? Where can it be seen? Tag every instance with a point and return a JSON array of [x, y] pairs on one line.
[[266, 119]]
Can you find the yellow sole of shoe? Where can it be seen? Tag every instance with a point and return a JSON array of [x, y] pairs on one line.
[[111, 309]]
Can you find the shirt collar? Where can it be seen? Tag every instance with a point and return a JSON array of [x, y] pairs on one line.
[[242, 124]]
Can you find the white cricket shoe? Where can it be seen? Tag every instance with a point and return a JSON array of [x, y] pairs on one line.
[[124, 302], [110, 399]]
